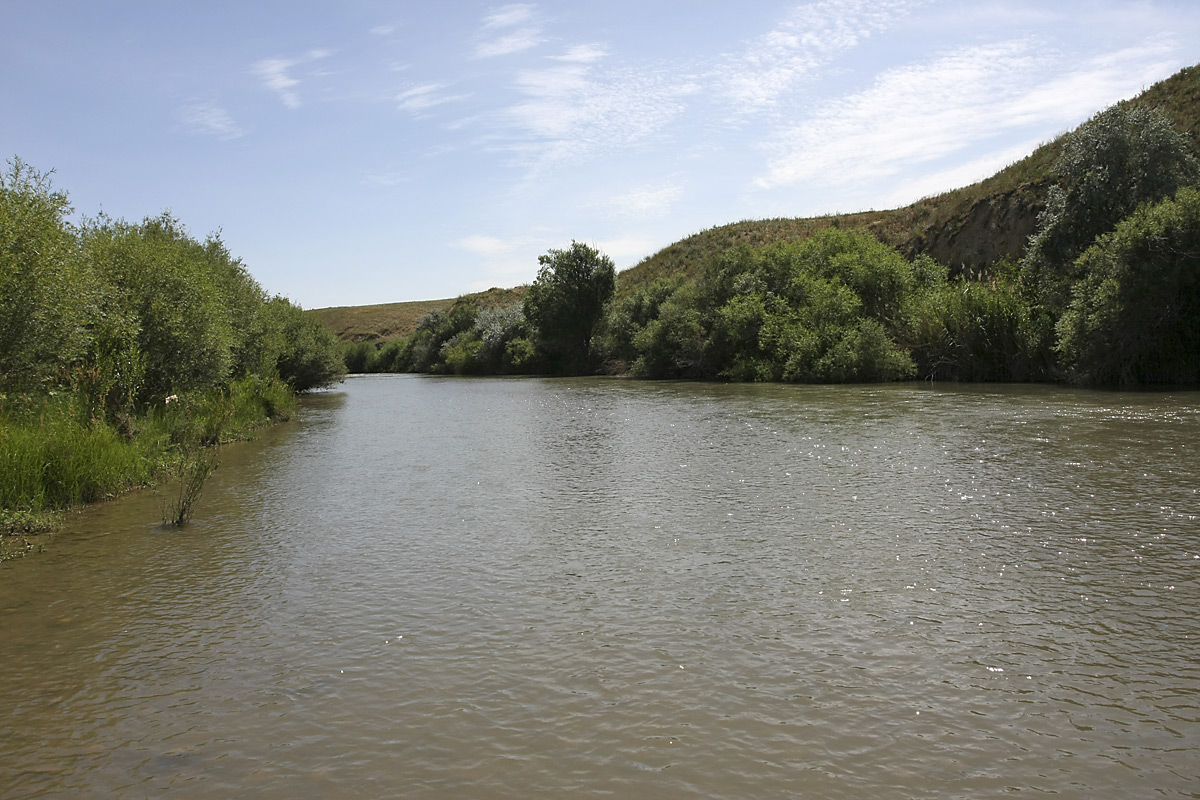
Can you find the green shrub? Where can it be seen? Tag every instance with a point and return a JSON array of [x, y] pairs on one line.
[[1135, 316], [974, 331]]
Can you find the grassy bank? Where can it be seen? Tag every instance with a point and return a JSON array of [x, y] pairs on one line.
[[57, 453]]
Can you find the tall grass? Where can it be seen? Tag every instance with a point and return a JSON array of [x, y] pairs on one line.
[[55, 455]]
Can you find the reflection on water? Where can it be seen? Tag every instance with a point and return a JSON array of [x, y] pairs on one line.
[[532, 588]]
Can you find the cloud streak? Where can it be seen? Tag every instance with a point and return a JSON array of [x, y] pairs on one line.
[[575, 109], [510, 29], [924, 112], [209, 119], [276, 74], [807, 39], [422, 98]]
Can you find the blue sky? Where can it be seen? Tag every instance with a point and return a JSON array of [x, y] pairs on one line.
[[365, 152]]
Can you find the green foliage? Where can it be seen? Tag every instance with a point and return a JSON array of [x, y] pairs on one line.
[[47, 294], [973, 331], [1121, 158], [468, 340], [192, 471], [51, 458], [162, 278], [671, 341], [497, 327], [359, 357], [437, 333], [1134, 318], [821, 310], [195, 455], [521, 356], [629, 315], [101, 323], [566, 304], [307, 355]]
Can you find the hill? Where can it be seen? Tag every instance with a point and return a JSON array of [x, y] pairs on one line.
[[968, 229], [387, 321]]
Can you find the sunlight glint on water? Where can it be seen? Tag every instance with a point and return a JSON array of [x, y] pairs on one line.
[[533, 588]]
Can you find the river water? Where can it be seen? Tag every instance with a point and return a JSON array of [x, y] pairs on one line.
[[523, 588]]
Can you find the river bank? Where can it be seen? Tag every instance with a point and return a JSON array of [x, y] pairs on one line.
[[57, 453]]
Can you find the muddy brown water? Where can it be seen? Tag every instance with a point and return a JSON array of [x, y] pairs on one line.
[[523, 588]]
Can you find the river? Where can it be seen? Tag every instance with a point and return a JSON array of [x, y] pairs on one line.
[[526, 588]]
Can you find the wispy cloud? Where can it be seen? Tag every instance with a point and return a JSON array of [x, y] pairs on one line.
[[807, 39], [510, 16], [926, 184], [509, 29], [645, 202], [920, 113], [276, 75], [500, 262], [572, 110], [387, 178], [583, 53], [209, 119], [486, 245], [628, 249], [422, 98]]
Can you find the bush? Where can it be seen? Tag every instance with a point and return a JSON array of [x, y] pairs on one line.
[[308, 356], [359, 357], [1120, 159], [974, 331], [1135, 316], [820, 310]]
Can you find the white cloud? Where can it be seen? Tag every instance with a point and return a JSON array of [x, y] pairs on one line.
[[509, 16], [806, 40], [526, 33], [973, 171], [423, 98], [275, 74], [209, 119], [920, 113], [583, 53], [646, 202], [515, 42], [385, 179], [486, 245], [628, 249], [571, 111]]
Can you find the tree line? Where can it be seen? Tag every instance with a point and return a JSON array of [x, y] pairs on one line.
[[1107, 293], [141, 310], [105, 323]]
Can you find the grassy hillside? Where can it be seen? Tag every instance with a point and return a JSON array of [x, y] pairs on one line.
[[387, 321], [967, 229]]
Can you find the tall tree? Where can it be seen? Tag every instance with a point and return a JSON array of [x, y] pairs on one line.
[[567, 302]]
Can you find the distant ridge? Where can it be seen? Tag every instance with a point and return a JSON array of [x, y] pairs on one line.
[[969, 229]]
